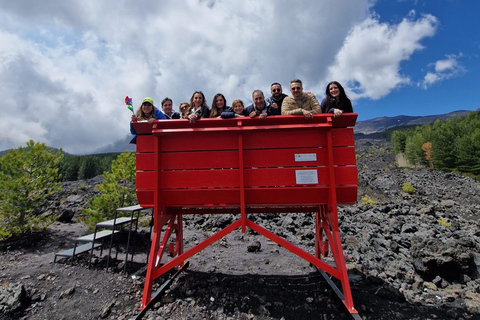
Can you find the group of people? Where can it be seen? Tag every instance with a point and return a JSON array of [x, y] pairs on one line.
[[299, 102]]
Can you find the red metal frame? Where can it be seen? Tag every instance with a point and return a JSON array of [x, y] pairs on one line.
[[246, 166]]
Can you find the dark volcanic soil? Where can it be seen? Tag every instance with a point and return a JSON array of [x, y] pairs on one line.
[[403, 263]]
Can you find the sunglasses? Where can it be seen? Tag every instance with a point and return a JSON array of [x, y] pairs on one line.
[[276, 90]]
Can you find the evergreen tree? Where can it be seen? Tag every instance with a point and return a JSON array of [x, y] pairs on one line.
[[29, 175], [117, 190], [70, 167], [413, 149], [447, 145], [398, 141], [444, 156], [89, 168]]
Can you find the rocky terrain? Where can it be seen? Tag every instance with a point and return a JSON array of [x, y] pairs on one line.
[[410, 256]]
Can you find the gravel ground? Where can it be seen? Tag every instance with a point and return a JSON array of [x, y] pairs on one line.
[[394, 253]]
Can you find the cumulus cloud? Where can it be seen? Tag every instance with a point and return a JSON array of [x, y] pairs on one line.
[[67, 66], [442, 70], [369, 62]]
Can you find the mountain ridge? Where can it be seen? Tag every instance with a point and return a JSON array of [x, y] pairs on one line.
[[382, 124]]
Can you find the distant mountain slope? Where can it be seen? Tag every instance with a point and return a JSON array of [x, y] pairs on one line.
[[117, 146], [384, 123]]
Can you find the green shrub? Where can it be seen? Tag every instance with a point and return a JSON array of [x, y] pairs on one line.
[[444, 222], [408, 188], [367, 200]]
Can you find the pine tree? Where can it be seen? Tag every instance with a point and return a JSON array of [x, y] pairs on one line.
[[29, 175], [117, 190], [398, 140]]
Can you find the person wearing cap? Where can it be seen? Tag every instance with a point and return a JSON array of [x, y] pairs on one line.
[[146, 112]]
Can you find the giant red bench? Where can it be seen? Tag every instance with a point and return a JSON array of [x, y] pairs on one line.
[[244, 166]]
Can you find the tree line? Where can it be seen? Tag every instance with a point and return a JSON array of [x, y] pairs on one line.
[[451, 145], [73, 168]]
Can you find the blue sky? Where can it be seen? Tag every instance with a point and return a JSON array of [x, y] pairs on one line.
[[456, 38], [66, 66]]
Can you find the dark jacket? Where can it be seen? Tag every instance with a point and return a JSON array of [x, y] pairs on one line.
[[345, 106], [268, 110], [278, 102], [229, 113], [202, 112], [175, 115]]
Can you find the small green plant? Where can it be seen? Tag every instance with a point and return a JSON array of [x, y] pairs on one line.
[[408, 188], [443, 222], [367, 200], [74, 191], [83, 187], [365, 166]]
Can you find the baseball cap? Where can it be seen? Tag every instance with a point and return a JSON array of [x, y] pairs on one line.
[[149, 100]]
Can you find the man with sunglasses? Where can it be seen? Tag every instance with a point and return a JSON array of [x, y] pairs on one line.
[[300, 102], [277, 97]]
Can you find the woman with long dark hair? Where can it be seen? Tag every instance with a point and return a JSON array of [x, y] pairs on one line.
[[219, 105], [198, 107], [336, 100]]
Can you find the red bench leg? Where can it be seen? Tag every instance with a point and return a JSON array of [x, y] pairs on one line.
[[321, 246], [158, 248], [329, 219]]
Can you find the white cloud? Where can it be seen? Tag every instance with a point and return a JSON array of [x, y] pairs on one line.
[[369, 61], [442, 70], [67, 66]]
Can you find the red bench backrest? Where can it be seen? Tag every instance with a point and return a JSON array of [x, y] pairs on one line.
[[280, 161]]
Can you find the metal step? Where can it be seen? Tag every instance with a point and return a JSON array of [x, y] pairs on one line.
[[78, 250]]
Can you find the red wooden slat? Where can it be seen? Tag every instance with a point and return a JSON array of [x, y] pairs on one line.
[[252, 158], [286, 157], [344, 175], [287, 176], [145, 198], [145, 180], [299, 138], [343, 137], [145, 143], [226, 197], [199, 179], [199, 160], [192, 141], [144, 161], [270, 197]]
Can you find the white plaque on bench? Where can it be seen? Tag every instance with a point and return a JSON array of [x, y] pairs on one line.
[[306, 176], [305, 157]]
